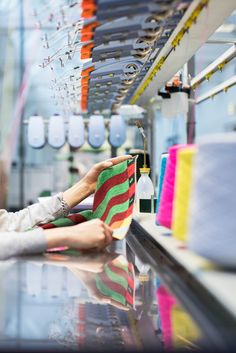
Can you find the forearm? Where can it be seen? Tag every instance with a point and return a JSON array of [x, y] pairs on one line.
[[14, 243], [77, 193], [89, 235], [56, 237], [31, 242], [41, 212]]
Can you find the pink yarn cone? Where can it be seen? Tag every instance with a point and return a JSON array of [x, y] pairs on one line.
[[164, 216], [165, 302]]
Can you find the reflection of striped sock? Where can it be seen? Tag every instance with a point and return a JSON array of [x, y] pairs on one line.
[[113, 200], [117, 282]]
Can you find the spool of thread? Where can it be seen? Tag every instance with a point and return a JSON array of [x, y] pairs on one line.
[[212, 224], [164, 216], [164, 158], [183, 182]]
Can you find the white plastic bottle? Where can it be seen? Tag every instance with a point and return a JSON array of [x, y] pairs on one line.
[[145, 189]]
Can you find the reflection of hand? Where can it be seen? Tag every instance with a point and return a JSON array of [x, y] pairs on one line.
[[93, 262], [90, 262], [93, 234]]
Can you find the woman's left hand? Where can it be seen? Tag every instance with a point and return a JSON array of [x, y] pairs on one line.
[[90, 179], [87, 185]]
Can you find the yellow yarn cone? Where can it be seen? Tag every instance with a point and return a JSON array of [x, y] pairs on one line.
[[183, 182]]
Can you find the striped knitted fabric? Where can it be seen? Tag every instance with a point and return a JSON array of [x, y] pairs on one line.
[[114, 197], [117, 282], [113, 201]]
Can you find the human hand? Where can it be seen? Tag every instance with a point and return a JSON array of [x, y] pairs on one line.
[[87, 185], [90, 179], [93, 234]]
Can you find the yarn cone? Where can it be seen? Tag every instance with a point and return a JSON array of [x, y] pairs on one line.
[[164, 215], [164, 158], [212, 224], [183, 182]]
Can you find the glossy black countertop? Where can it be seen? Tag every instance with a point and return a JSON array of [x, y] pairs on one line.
[[115, 300]]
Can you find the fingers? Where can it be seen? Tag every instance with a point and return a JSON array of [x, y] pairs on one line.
[[113, 161], [103, 165], [105, 235], [119, 159], [108, 234], [94, 234]]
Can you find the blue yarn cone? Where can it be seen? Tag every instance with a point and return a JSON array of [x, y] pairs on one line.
[[164, 158]]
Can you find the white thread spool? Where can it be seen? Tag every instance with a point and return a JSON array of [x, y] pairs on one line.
[[212, 224]]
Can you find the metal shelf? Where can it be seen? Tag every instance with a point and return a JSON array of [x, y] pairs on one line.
[[206, 291], [209, 14], [206, 272]]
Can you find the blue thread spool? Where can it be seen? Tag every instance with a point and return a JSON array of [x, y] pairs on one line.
[[164, 158]]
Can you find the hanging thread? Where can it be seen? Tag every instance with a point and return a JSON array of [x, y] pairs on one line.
[[212, 224], [183, 182]]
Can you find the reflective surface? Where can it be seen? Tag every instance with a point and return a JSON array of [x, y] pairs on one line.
[[91, 302]]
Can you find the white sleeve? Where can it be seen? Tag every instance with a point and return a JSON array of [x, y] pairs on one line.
[[14, 244], [41, 212]]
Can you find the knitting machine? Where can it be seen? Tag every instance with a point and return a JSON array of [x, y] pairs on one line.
[[108, 55], [101, 50]]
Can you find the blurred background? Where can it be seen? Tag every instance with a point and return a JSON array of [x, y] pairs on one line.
[[26, 89]]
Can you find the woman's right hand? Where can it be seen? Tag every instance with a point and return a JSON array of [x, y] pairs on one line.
[[91, 234]]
